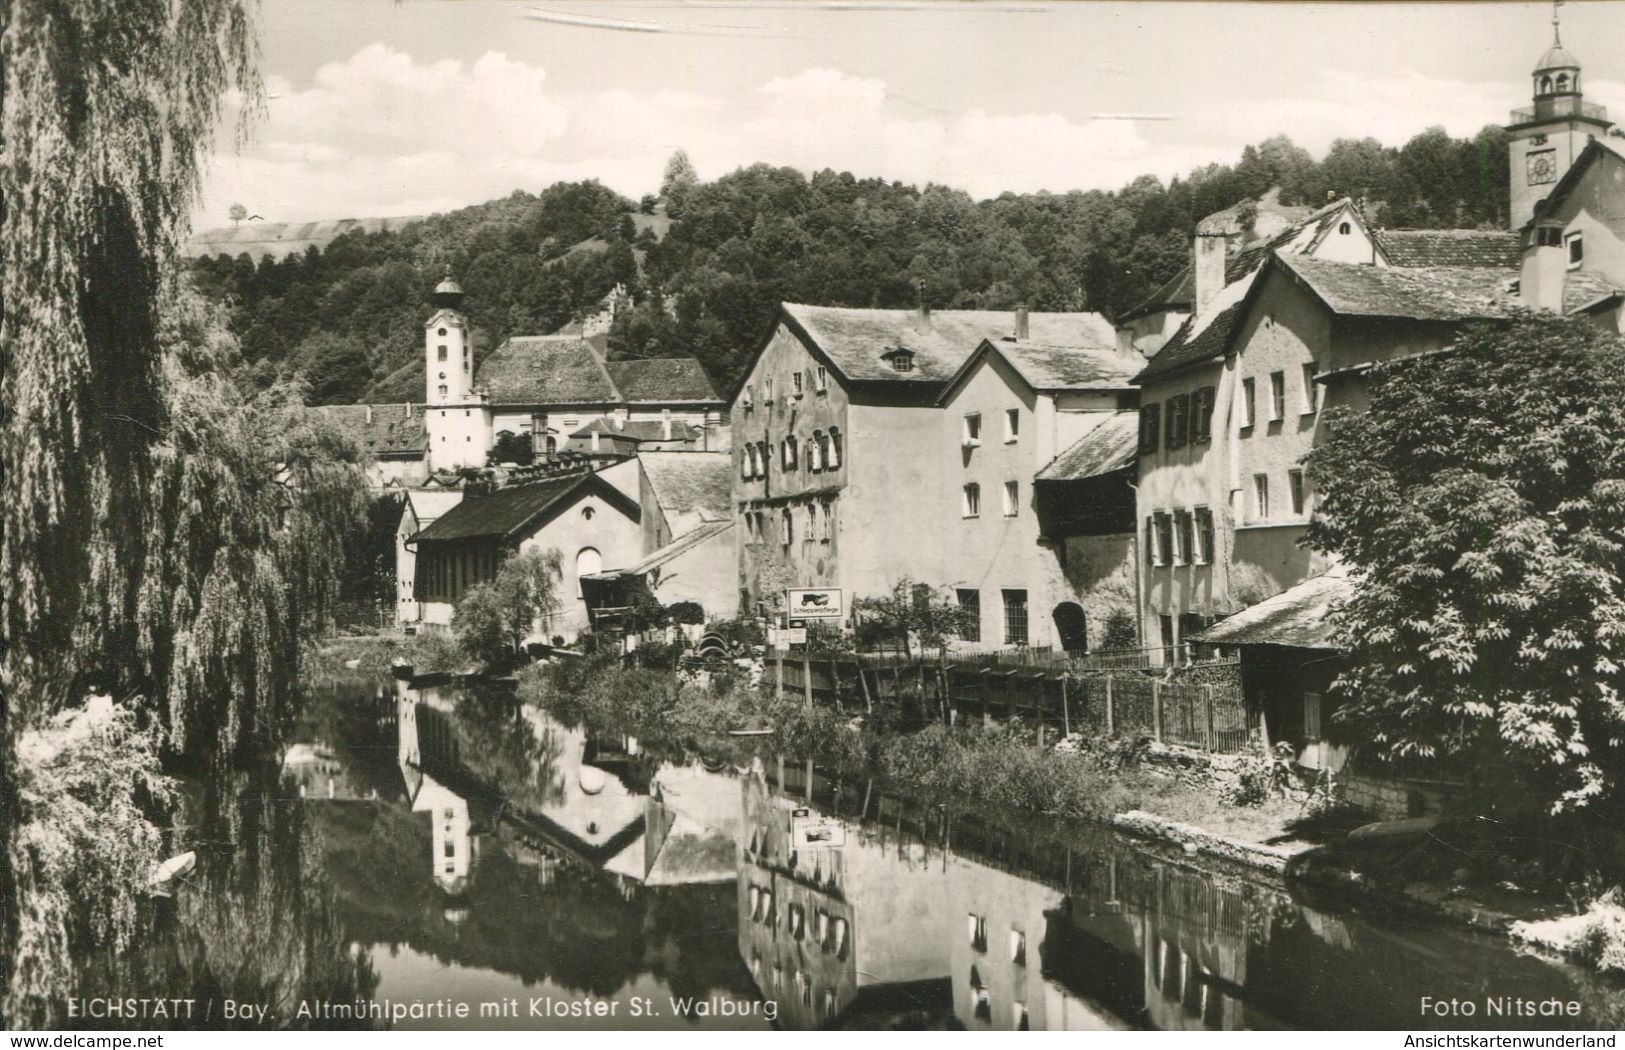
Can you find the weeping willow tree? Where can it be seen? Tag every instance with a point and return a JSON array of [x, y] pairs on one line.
[[166, 538]]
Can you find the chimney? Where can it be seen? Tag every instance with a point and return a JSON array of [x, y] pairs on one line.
[[923, 318], [665, 424], [1208, 257], [1021, 321], [369, 413], [1545, 268], [409, 410], [595, 441]]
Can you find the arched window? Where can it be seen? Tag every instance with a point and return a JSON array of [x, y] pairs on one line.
[[815, 460], [1562, 81], [834, 459], [1344, 229], [588, 561], [587, 513], [790, 447], [747, 462], [1545, 85]]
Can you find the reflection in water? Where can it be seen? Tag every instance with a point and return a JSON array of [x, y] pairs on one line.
[[450, 845]]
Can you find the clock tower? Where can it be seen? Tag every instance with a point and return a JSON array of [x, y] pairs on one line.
[[1548, 137]]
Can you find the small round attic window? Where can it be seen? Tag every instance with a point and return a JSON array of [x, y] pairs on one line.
[[442, 331]]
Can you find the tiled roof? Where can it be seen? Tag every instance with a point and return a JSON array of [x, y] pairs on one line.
[[690, 483], [1178, 292], [853, 340], [681, 545], [1203, 336], [1491, 248], [383, 430], [546, 370], [1068, 367], [507, 510], [1110, 446], [1439, 293], [1296, 239], [1584, 288], [1298, 617], [662, 379], [641, 430]]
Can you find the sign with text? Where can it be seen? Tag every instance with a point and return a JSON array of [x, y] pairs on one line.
[[809, 830], [792, 635], [814, 603]]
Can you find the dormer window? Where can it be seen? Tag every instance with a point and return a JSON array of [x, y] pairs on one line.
[[900, 358]]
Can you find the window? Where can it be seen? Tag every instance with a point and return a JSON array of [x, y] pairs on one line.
[[749, 400], [747, 462], [1015, 633], [789, 452], [1311, 390], [588, 561], [1311, 716], [1018, 947], [1178, 413], [1184, 538], [1150, 427], [1277, 395], [1012, 424], [810, 533], [1012, 498], [971, 429], [971, 505], [977, 928], [1549, 237], [763, 458], [442, 332], [834, 448], [827, 533], [786, 527], [796, 380], [1018, 1017], [587, 513], [1248, 404], [1152, 555], [440, 354], [1202, 416], [815, 451], [767, 391], [970, 614], [1344, 228], [1577, 250], [442, 394], [1165, 539], [821, 379], [1261, 496], [1204, 536], [1294, 480]]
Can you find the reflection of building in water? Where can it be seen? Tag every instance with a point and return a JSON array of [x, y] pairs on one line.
[[833, 934], [453, 845], [997, 925], [321, 774], [674, 850], [593, 808]]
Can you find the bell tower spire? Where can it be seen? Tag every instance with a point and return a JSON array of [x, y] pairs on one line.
[[1547, 138]]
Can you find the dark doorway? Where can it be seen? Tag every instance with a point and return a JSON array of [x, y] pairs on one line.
[[1072, 627]]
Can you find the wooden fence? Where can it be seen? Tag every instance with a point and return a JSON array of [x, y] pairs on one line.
[[1129, 705]]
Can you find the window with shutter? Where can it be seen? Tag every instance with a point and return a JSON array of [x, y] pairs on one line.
[[1150, 427]]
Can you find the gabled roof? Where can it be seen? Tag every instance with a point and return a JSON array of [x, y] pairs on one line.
[[383, 430], [521, 508], [1176, 293], [430, 504], [1298, 616], [681, 545], [1497, 249], [1110, 446], [1203, 336], [546, 370], [1048, 369], [698, 483], [853, 340], [662, 379], [1438, 293], [640, 430]]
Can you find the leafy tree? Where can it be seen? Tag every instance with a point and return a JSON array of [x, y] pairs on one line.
[[678, 182], [1479, 502], [334, 367], [493, 618], [512, 448], [915, 615]]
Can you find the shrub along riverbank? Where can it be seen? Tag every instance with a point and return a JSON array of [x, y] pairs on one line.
[[1001, 766]]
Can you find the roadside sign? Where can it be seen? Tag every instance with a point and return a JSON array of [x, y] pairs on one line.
[[792, 635], [809, 830], [814, 603]]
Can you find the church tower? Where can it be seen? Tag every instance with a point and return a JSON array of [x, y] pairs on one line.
[[457, 418], [1547, 138]]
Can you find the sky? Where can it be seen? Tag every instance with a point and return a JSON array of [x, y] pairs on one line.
[[407, 107]]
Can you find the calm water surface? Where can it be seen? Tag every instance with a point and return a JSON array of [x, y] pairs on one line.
[[441, 858]]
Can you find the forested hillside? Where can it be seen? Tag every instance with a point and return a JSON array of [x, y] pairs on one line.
[[706, 261]]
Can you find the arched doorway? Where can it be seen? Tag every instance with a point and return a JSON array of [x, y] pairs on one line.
[[1071, 627]]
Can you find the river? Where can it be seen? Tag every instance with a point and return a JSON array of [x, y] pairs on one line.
[[438, 857]]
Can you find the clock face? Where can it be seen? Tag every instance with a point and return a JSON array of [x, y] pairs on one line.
[[1542, 167]]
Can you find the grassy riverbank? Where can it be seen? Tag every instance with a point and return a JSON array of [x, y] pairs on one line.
[[1000, 766]]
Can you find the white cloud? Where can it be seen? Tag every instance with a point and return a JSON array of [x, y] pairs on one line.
[[384, 134]]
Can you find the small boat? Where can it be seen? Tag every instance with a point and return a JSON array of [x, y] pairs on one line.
[[750, 732], [165, 875]]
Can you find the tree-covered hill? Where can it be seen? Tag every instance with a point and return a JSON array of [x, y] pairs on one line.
[[707, 261]]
